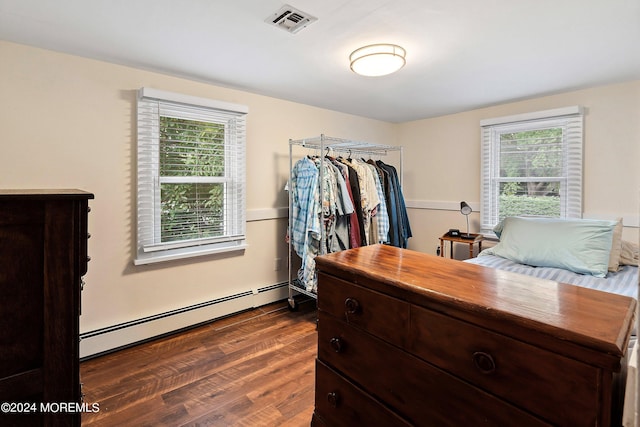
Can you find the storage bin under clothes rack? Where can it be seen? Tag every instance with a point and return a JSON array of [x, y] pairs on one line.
[[339, 146]]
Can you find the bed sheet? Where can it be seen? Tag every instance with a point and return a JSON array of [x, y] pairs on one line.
[[622, 282]]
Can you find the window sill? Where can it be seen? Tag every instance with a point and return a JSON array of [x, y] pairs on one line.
[[184, 253], [490, 236]]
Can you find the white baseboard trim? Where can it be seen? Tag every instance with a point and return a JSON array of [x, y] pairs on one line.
[[104, 340]]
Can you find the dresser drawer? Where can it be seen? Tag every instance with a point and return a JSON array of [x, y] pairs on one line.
[[561, 390], [340, 403], [419, 392], [379, 314]]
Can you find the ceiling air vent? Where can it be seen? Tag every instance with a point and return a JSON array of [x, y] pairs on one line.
[[290, 19]]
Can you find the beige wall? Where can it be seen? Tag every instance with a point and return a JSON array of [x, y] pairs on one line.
[[444, 165], [69, 122]]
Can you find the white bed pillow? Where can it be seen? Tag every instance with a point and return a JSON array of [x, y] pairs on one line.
[[579, 245], [629, 254]]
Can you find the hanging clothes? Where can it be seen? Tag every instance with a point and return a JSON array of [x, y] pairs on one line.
[[368, 196], [357, 203], [382, 214], [400, 230], [305, 218], [344, 210], [357, 237]]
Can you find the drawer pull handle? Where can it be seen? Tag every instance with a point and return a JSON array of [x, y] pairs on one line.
[[484, 362], [352, 305], [336, 344], [333, 399]]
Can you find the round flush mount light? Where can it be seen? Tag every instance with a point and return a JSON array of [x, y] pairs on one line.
[[377, 59]]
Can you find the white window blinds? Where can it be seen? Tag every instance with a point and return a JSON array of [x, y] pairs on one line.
[[532, 165], [191, 176]]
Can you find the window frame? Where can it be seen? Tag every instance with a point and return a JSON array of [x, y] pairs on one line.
[[151, 105], [571, 121]]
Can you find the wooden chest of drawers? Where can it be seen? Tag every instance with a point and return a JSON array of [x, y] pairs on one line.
[[413, 339], [43, 256]]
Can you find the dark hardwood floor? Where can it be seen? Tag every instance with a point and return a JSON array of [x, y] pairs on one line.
[[252, 369]]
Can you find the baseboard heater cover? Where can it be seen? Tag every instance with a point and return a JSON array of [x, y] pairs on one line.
[[115, 337]]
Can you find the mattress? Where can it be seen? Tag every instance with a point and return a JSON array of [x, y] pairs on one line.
[[622, 282]]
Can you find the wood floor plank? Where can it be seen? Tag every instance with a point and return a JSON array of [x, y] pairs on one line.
[[255, 368], [216, 393], [183, 369]]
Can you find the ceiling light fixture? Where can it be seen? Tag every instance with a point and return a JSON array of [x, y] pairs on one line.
[[377, 59]]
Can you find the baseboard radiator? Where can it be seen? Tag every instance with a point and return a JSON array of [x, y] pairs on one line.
[[105, 340]]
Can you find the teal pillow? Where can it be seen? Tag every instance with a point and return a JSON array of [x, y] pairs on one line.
[[579, 245]]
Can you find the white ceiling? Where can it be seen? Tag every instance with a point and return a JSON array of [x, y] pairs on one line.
[[461, 54]]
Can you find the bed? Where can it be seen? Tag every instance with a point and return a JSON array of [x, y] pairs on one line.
[[622, 282], [586, 253]]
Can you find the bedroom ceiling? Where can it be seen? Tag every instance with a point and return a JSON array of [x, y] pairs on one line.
[[461, 54]]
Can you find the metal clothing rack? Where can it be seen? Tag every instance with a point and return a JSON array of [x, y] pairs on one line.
[[336, 145]]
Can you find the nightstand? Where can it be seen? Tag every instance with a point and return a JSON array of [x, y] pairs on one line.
[[477, 238]]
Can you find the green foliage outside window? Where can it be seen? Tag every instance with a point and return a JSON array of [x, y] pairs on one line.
[[512, 205], [191, 150], [536, 153], [526, 155]]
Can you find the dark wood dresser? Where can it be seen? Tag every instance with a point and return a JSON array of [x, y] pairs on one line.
[[406, 338], [43, 256]]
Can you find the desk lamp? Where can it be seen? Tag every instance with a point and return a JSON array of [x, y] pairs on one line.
[[465, 210]]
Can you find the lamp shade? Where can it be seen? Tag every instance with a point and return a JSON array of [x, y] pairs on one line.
[[377, 59], [465, 209]]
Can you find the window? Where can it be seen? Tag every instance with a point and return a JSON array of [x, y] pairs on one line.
[[191, 176], [532, 165]]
